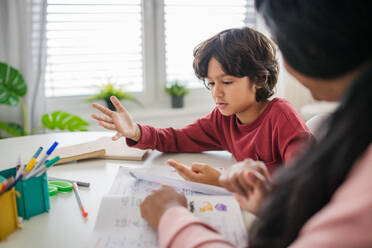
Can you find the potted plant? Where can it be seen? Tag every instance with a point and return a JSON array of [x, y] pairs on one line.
[[12, 89], [110, 89], [176, 90]]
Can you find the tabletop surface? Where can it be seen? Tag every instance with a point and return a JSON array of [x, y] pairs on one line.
[[63, 225]]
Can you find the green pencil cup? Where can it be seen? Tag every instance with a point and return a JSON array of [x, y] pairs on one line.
[[34, 194]]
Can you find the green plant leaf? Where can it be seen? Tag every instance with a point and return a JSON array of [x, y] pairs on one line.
[[47, 122], [12, 85], [176, 89], [63, 120], [109, 89], [13, 129]]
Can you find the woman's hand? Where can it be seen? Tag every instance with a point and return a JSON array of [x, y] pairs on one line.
[[250, 181], [119, 121], [200, 173], [159, 201]]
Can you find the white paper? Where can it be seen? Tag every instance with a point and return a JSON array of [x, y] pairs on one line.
[[119, 222], [149, 175]]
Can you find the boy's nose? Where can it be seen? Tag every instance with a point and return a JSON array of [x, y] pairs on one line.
[[218, 90]]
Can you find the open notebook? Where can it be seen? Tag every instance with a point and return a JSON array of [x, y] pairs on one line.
[[101, 148]]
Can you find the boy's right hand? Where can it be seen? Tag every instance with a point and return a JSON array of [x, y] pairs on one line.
[[119, 120], [250, 181]]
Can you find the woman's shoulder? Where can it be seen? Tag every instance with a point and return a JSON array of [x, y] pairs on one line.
[[346, 220], [359, 177]]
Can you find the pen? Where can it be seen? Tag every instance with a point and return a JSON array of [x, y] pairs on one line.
[[50, 150], [79, 183], [49, 164], [77, 195], [16, 180], [19, 167], [33, 160], [41, 170]]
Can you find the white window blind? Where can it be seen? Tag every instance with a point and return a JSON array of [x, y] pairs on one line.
[[190, 22], [92, 42]]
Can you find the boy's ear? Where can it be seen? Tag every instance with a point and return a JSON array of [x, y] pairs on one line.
[[260, 81]]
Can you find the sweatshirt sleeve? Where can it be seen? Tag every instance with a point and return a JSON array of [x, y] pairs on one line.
[[179, 228], [196, 137]]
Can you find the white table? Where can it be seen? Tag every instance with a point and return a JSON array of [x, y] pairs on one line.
[[64, 225]]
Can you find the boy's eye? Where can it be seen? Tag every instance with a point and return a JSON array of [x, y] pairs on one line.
[[210, 84], [227, 82]]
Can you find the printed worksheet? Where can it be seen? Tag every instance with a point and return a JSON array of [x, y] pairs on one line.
[[119, 222]]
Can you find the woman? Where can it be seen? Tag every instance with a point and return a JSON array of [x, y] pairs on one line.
[[324, 199]]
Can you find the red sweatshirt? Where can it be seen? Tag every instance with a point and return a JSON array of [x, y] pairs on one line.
[[274, 137]]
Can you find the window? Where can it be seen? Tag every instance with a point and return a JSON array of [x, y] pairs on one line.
[[91, 42], [190, 22]]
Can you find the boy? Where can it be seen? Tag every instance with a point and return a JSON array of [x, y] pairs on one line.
[[239, 67]]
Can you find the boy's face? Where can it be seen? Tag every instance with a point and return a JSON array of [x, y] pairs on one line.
[[232, 95]]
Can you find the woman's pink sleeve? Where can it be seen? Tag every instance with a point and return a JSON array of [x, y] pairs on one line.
[[179, 228]]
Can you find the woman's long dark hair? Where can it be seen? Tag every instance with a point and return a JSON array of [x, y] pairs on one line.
[[321, 39]]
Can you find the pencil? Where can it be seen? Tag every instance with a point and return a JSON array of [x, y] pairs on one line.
[[76, 191]]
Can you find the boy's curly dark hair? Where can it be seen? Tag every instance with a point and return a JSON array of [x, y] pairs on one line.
[[241, 52]]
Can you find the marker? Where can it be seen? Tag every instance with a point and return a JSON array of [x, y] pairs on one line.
[[33, 160], [49, 164], [77, 195], [42, 170], [50, 150], [79, 183]]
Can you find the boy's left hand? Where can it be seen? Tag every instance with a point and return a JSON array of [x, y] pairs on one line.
[[198, 172]]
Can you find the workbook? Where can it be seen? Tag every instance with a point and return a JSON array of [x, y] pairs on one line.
[[119, 222], [103, 147]]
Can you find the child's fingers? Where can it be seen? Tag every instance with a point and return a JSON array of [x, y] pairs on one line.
[[104, 110], [102, 118], [117, 136], [182, 169], [198, 167], [107, 125], [178, 166], [118, 105]]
